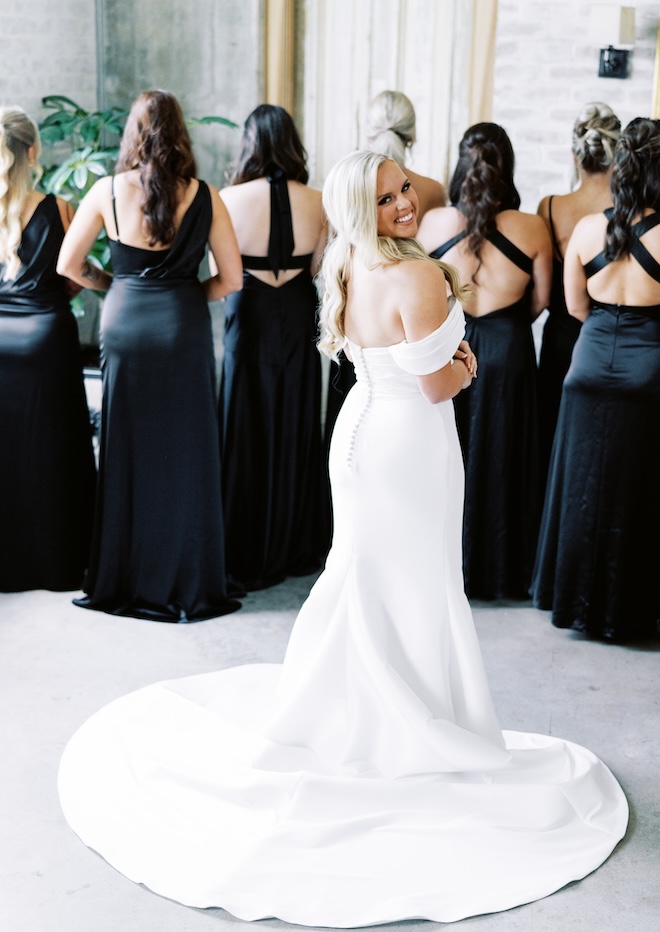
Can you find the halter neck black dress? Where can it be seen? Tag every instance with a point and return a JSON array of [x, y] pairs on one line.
[[275, 488], [47, 469], [560, 332], [599, 550], [497, 420], [158, 548]]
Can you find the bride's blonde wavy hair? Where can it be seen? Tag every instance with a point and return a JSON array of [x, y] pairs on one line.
[[18, 133], [349, 201]]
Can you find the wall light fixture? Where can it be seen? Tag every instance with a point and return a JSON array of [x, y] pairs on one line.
[[611, 26]]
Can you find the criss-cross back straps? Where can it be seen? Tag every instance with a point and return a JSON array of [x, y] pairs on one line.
[[637, 248], [441, 250], [511, 251], [499, 241]]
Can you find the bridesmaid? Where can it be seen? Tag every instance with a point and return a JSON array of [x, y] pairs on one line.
[[391, 131], [599, 551], [47, 470], [506, 256], [595, 133], [275, 487], [158, 547]]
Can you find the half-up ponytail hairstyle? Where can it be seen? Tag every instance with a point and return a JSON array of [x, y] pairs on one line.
[[156, 142], [19, 172], [635, 183], [482, 183]]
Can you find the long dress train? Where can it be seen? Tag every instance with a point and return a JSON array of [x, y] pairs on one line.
[[366, 780]]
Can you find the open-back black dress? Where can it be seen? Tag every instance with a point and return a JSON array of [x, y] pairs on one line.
[[275, 487], [560, 332], [599, 550], [158, 547], [497, 420], [47, 470]]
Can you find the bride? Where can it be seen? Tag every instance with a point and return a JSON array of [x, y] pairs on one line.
[[366, 779]]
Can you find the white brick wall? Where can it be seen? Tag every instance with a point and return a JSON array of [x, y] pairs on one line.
[[546, 70]]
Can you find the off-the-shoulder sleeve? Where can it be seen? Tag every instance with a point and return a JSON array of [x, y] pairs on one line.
[[434, 351]]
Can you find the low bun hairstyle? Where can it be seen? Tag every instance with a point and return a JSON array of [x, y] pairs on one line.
[[391, 125], [595, 133]]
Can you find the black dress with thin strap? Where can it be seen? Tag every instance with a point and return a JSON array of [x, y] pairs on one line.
[[560, 332], [158, 548], [47, 469], [599, 550], [497, 420], [275, 487]]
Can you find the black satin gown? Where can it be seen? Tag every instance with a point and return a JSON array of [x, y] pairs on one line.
[[158, 547], [497, 419], [275, 487], [599, 550], [47, 469], [560, 332]]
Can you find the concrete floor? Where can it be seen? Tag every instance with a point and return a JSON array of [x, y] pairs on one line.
[[59, 664]]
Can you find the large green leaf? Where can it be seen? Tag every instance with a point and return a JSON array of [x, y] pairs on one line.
[[60, 102], [203, 121]]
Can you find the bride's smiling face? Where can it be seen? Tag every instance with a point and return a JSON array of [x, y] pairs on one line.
[[397, 201]]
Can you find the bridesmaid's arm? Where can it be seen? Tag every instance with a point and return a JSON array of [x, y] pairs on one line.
[[224, 257], [320, 247], [542, 268], [66, 215], [575, 280], [86, 224]]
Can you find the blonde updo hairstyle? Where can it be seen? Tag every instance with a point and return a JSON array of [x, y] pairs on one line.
[[18, 175], [595, 134], [391, 125], [350, 204]]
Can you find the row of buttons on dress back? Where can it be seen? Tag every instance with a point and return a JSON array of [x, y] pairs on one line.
[[363, 376]]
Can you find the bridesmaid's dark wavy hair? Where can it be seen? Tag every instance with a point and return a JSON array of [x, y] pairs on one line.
[[156, 143], [635, 183], [270, 140], [482, 183]]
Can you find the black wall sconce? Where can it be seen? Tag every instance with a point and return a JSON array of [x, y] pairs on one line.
[[613, 63], [611, 26]]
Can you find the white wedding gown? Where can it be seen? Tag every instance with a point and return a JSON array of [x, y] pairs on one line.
[[366, 780]]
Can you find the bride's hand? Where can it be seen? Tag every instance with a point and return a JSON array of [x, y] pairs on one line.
[[465, 354]]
